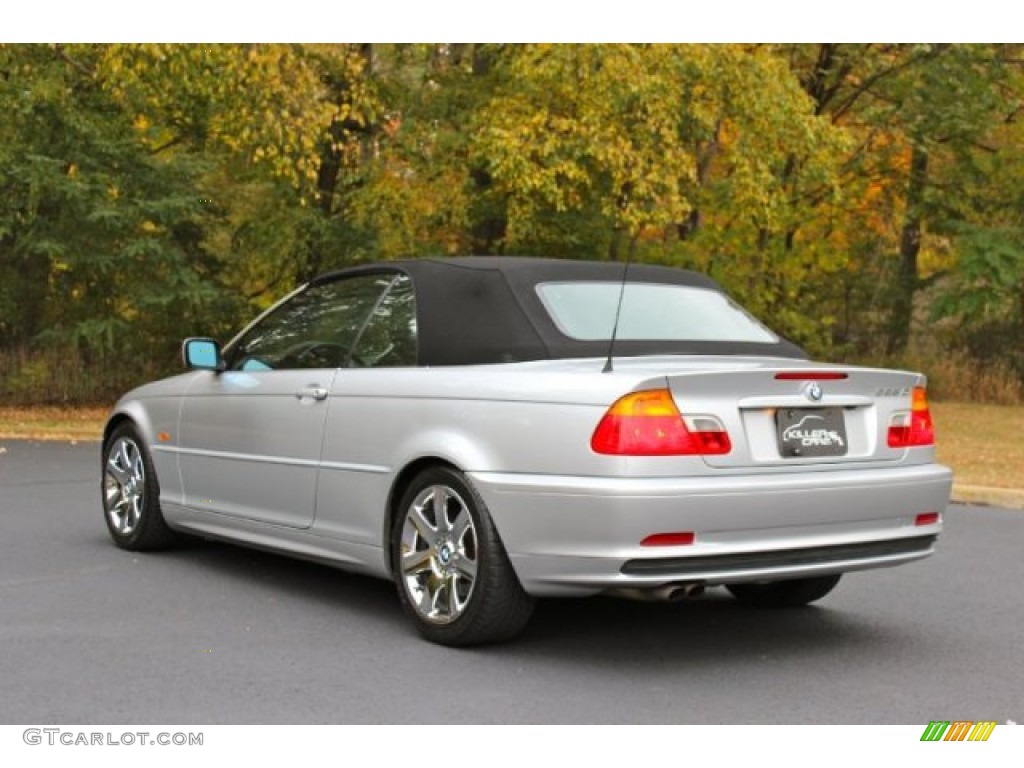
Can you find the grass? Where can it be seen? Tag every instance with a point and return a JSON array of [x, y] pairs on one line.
[[52, 423], [983, 443]]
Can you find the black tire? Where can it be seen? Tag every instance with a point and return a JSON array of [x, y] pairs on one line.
[[784, 594], [132, 513], [434, 551]]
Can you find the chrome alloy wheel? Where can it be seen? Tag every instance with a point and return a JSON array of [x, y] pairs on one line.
[[438, 554], [124, 486]]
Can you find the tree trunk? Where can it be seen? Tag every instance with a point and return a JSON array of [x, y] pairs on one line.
[[331, 159], [907, 280], [690, 225], [693, 222], [485, 55], [615, 245]]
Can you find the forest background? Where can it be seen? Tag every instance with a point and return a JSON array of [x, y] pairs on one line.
[[865, 201]]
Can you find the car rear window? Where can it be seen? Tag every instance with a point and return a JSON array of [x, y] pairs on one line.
[[586, 311]]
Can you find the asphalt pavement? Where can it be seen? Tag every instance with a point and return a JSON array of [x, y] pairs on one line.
[[211, 633]]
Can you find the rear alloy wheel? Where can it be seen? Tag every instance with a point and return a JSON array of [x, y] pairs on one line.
[[131, 496], [784, 594], [454, 578]]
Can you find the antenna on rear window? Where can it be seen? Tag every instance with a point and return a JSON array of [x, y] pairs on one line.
[[618, 311]]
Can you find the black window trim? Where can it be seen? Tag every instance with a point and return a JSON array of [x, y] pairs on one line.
[[397, 275], [229, 350]]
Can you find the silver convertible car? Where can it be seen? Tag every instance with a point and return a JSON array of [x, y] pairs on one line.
[[485, 431]]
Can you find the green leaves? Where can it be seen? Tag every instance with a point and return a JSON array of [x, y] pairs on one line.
[[988, 283], [574, 127], [151, 191]]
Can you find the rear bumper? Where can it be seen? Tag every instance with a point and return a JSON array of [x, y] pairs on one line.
[[581, 535]]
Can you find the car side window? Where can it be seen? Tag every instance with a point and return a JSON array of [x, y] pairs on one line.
[[314, 329], [389, 338]]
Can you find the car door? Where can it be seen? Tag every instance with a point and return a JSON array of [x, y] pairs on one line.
[[250, 437], [364, 420]]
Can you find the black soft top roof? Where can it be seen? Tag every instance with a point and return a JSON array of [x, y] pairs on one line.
[[485, 309]]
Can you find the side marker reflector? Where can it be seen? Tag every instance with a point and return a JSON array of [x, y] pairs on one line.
[[679, 539]]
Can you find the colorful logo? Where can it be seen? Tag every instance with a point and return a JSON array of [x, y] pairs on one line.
[[958, 730]]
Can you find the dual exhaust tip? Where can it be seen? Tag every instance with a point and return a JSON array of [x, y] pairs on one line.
[[666, 593]]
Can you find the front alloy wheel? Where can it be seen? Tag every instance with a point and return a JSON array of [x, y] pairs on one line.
[[124, 486], [454, 577], [131, 496]]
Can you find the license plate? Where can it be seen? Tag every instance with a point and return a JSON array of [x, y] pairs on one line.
[[809, 432]]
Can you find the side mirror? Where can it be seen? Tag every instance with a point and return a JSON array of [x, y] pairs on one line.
[[202, 354]]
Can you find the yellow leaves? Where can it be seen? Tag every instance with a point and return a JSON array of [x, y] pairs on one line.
[[580, 125], [645, 132], [728, 132], [937, 254], [267, 103]]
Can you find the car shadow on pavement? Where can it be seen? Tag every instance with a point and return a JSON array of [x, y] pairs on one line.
[[600, 630], [304, 580], [712, 626]]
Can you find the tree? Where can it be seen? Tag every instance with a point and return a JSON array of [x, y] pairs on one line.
[[99, 243], [922, 117], [843, 192], [680, 151]]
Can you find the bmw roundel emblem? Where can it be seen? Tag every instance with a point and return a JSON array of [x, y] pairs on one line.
[[813, 391]]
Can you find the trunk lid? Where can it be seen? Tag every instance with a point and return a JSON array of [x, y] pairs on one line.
[[788, 412]]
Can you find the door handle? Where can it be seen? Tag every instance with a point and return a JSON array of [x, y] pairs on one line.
[[316, 393]]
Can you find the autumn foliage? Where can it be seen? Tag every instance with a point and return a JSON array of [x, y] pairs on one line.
[[864, 200]]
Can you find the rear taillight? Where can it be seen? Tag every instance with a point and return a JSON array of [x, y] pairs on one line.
[[915, 428], [648, 423]]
